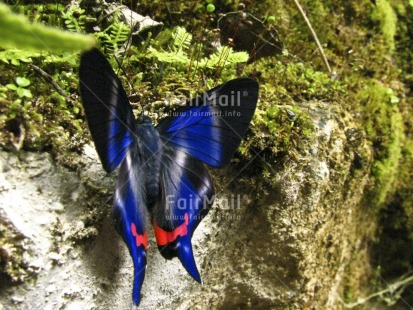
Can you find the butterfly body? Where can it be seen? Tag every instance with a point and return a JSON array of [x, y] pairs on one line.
[[162, 174], [149, 144]]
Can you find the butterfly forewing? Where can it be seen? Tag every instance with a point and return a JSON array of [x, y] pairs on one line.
[[211, 126], [108, 112]]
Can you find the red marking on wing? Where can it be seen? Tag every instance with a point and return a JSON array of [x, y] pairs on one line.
[[164, 237], [140, 239]]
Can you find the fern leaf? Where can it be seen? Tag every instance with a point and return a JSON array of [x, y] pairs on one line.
[[182, 39], [169, 57], [114, 36], [74, 18], [224, 56], [237, 57], [15, 56], [119, 33]]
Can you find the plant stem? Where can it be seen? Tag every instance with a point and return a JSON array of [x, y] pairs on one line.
[[391, 289], [49, 79], [314, 35]]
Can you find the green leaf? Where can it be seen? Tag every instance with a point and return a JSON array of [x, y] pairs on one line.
[[27, 93], [22, 92], [224, 56], [16, 103], [74, 18], [27, 105], [114, 36], [11, 86], [22, 82], [169, 57], [17, 32], [182, 38], [15, 56]]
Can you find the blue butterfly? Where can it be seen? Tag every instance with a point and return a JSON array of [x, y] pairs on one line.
[[162, 175]]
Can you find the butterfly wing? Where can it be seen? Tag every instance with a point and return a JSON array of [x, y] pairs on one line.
[[112, 126], [108, 112], [187, 194], [130, 214], [208, 129], [211, 126]]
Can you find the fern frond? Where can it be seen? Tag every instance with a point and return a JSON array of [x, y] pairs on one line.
[[182, 39], [237, 57], [74, 18], [224, 56], [169, 57], [178, 54], [15, 56], [119, 32], [114, 36]]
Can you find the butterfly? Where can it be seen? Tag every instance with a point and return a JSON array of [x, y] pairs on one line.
[[162, 174]]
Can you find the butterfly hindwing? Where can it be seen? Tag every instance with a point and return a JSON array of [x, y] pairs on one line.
[[108, 112], [208, 129], [130, 214], [187, 194], [211, 126]]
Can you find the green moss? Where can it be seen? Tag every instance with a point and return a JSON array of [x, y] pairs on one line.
[[384, 15], [362, 41], [406, 189], [281, 126], [385, 130]]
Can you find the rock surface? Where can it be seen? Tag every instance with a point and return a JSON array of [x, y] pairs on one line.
[[288, 246]]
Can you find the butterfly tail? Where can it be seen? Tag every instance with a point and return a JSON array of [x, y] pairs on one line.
[[129, 217], [186, 256], [181, 247], [136, 244], [139, 263]]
